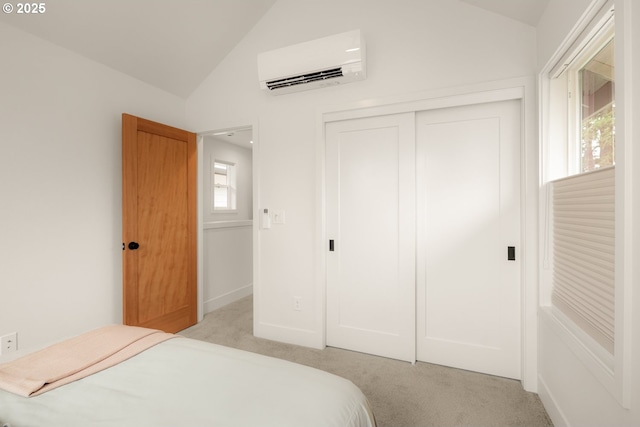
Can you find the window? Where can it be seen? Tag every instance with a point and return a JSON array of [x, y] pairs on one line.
[[583, 202], [597, 121], [224, 186], [582, 283], [591, 105]]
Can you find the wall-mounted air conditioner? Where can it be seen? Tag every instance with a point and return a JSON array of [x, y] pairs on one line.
[[318, 63]]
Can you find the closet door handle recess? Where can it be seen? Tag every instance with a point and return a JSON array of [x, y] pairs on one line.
[[331, 245]]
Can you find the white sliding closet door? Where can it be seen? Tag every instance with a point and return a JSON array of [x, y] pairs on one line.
[[370, 202], [468, 204]]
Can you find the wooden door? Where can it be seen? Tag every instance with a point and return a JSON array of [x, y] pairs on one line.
[[468, 292], [158, 225], [370, 190]]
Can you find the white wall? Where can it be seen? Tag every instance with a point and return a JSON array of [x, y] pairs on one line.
[[555, 24], [570, 389], [413, 45], [228, 240], [60, 186], [228, 263]]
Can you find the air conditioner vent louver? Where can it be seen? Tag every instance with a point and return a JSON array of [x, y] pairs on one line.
[[305, 78], [320, 63]]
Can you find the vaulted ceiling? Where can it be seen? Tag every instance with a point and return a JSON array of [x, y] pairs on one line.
[[170, 44], [175, 44], [527, 11]]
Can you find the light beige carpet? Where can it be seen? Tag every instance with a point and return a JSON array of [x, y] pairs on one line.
[[401, 394]]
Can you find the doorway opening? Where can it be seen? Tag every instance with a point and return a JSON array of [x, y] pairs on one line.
[[226, 217]]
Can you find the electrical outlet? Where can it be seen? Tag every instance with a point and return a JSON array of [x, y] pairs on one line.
[[297, 303], [9, 343]]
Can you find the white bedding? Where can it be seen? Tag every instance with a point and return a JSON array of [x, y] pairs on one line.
[[183, 382]]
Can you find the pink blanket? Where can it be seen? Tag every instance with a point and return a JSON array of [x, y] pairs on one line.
[[76, 358]]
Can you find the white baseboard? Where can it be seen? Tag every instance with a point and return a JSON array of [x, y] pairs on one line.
[[286, 334], [550, 404], [222, 300]]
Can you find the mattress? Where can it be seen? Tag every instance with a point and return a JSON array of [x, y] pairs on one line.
[[184, 382]]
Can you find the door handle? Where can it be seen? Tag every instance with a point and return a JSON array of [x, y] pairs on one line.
[[511, 253], [133, 245], [331, 246]]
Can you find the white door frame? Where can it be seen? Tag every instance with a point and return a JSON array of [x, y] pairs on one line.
[[522, 89]]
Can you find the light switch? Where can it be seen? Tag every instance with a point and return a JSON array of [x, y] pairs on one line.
[[278, 217]]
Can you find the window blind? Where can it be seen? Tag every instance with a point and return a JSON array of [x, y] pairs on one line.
[[584, 252]]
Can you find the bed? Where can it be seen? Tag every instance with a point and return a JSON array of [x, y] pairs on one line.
[[184, 382]]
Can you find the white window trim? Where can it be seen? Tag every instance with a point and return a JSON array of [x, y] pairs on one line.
[[612, 374]]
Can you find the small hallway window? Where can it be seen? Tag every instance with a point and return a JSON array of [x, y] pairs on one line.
[[224, 186]]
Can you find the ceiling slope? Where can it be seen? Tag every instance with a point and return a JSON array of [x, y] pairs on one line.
[[173, 45], [526, 11]]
